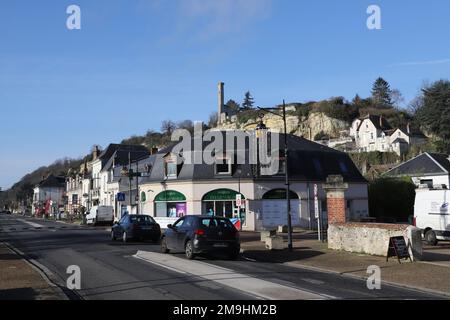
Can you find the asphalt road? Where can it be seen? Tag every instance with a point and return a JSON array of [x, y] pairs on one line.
[[111, 270]]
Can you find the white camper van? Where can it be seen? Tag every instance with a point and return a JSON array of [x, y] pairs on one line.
[[100, 214], [432, 214]]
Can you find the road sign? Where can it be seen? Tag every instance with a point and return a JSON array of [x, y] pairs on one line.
[[316, 202], [238, 200], [121, 196]]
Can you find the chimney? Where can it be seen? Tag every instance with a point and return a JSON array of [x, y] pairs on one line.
[[95, 153], [408, 128], [336, 204], [221, 98], [381, 121]]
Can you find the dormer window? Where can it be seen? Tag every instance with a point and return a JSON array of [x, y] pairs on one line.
[[223, 165], [171, 167]]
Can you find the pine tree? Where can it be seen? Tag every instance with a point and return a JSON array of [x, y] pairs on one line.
[[381, 93], [248, 101]]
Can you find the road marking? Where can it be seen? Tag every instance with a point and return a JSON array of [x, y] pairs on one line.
[[34, 225], [259, 288], [313, 281]]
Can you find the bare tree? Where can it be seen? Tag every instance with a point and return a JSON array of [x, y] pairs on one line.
[[213, 120], [168, 126]]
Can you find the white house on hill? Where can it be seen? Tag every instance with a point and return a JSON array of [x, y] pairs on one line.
[[374, 133]]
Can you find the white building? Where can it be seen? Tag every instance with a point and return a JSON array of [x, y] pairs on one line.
[[173, 190], [49, 195], [374, 133]]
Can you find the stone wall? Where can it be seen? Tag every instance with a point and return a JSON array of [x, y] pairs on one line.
[[372, 238]]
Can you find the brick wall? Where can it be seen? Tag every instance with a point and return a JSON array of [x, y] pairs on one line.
[[336, 209]]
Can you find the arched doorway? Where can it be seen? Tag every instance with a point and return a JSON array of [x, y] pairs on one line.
[[222, 202], [170, 203]]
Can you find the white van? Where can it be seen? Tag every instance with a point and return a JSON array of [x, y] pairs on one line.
[[100, 214], [432, 214]]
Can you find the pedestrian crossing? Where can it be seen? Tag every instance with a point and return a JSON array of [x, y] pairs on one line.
[[259, 288]]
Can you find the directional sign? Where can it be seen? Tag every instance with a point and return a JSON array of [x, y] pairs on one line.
[[316, 202], [121, 196]]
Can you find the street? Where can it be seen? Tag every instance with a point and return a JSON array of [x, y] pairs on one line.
[[113, 270]]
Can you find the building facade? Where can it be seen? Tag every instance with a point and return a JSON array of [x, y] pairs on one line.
[[175, 188], [374, 133]]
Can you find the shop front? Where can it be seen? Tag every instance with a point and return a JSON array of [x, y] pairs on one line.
[[170, 204], [222, 202]]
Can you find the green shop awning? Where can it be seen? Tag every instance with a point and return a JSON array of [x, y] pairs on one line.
[[221, 194], [170, 195], [278, 194]]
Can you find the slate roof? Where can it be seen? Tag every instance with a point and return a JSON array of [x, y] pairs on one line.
[[112, 148], [379, 122], [53, 181], [424, 164], [120, 157], [308, 161]]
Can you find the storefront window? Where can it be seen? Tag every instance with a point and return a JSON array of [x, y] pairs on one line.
[[170, 204]]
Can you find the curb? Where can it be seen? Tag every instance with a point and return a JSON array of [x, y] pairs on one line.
[[353, 276], [48, 276]]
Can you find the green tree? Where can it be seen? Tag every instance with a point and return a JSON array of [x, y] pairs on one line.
[[381, 93], [233, 105], [434, 111], [248, 101]]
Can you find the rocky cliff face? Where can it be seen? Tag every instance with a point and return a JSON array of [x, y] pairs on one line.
[[306, 127]]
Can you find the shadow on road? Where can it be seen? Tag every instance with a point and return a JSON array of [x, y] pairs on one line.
[[281, 256], [18, 294]]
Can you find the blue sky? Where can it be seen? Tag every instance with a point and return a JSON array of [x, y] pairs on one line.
[[136, 63]]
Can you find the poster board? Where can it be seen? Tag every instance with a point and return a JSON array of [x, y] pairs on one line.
[[398, 248]]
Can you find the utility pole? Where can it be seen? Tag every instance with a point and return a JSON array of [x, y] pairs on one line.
[[286, 170]]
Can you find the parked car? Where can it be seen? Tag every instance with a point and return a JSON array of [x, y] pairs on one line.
[[100, 215], [431, 214], [201, 234], [137, 227]]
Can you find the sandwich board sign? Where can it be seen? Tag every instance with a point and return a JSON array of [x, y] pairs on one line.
[[398, 248]]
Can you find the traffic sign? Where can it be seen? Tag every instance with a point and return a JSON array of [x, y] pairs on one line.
[[238, 200], [121, 196]]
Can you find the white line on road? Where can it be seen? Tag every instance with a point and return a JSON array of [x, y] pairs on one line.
[[34, 225], [258, 287]]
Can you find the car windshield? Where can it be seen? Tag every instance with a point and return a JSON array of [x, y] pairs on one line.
[[142, 219], [216, 223]]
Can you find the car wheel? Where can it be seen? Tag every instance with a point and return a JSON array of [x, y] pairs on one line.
[[430, 238], [113, 236], [189, 250], [233, 255], [124, 237], [164, 248], [156, 240]]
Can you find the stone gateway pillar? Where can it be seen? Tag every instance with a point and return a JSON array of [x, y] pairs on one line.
[[336, 204]]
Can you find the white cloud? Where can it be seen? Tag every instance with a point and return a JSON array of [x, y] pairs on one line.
[[420, 63], [207, 19]]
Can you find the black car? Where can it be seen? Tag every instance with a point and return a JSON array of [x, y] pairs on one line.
[[137, 227], [201, 234]]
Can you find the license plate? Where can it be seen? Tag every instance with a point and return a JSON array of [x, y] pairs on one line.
[[147, 228], [220, 245]]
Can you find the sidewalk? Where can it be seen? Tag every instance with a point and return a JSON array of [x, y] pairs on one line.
[[20, 281], [310, 253]]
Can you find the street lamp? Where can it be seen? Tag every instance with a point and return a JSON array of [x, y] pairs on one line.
[[286, 171]]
